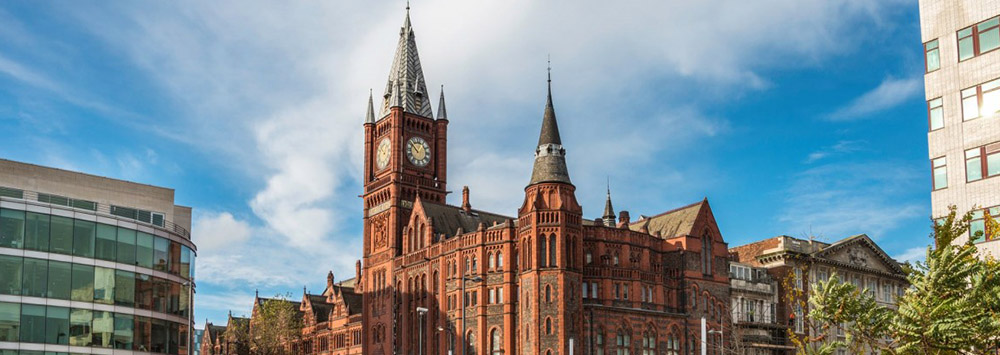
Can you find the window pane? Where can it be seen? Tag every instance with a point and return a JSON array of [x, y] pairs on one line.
[[937, 116], [933, 60], [11, 228], [991, 102], [993, 164], [970, 107], [989, 40], [57, 325], [160, 254], [104, 285], [973, 169], [59, 285], [61, 238], [104, 246], [158, 343], [940, 177], [144, 250], [123, 331], [124, 288], [83, 238], [104, 326], [977, 230], [174, 259], [10, 320], [143, 291], [80, 323], [160, 287], [83, 283], [126, 246], [32, 323], [36, 236], [186, 262], [10, 269], [143, 330], [965, 49], [34, 277]]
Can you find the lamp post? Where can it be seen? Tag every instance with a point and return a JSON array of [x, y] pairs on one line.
[[464, 296], [704, 337], [421, 311]]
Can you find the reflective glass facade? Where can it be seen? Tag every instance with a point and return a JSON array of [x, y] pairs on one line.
[[48, 261]]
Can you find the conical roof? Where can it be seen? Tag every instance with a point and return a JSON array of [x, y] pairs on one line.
[[550, 157], [406, 86]]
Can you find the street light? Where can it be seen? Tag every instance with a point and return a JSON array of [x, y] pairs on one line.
[[421, 311], [704, 336], [464, 296]]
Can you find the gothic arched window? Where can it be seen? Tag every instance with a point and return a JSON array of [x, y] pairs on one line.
[[499, 260], [552, 250], [470, 343], [548, 326], [491, 261], [649, 342], [623, 342], [599, 341], [543, 254], [495, 342]]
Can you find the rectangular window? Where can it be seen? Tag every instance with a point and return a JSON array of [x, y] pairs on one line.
[[932, 57], [103, 329], [104, 285], [978, 39], [990, 100], [144, 250], [977, 227], [500, 294], [10, 268], [970, 103], [10, 321], [36, 236], [186, 263], [32, 323], [123, 331], [966, 44], [124, 288], [584, 289], [493, 296], [126, 246], [35, 277], [143, 291], [593, 290], [174, 258], [940, 169], [59, 285], [992, 153], [973, 164], [935, 114], [57, 325], [161, 251], [61, 235], [80, 322], [104, 246], [83, 238], [11, 228], [83, 283]]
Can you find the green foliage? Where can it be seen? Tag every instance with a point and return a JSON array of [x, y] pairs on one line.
[[952, 306], [274, 326]]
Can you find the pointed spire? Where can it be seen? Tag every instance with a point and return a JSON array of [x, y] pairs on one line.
[[550, 156], [370, 116], [442, 112], [406, 86], [609, 212]]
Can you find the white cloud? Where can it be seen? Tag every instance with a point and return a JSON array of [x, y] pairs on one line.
[[839, 200], [841, 147], [890, 93], [214, 232], [912, 255]]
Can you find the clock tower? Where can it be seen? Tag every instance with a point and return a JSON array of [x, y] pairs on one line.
[[405, 157]]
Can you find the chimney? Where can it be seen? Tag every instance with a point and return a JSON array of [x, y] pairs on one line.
[[623, 219], [357, 270], [329, 279], [465, 199]]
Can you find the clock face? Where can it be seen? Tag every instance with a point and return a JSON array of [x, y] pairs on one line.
[[418, 151], [382, 154]]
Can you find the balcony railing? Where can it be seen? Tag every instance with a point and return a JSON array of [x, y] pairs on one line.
[[762, 317], [142, 217]]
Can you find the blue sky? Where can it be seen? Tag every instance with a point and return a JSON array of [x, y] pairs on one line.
[[794, 117]]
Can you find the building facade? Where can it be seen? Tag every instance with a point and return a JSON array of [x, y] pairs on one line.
[[92, 265], [754, 306], [795, 264], [962, 84], [453, 279]]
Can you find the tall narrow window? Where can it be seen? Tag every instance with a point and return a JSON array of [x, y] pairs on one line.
[[935, 114], [973, 164], [499, 261], [970, 103], [940, 169], [966, 44], [543, 255], [495, 342], [552, 250], [932, 58]]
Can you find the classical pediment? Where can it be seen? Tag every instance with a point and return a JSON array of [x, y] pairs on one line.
[[860, 252]]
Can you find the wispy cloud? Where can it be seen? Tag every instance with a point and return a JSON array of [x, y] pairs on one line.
[[838, 200], [890, 93], [841, 147], [912, 255]]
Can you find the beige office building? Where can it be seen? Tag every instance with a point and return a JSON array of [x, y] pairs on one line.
[[92, 265], [962, 82]]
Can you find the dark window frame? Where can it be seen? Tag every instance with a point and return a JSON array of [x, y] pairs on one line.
[[974, 32]]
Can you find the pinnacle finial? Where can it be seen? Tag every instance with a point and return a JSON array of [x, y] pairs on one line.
[[609, 211], [370, 116], [442, 112]]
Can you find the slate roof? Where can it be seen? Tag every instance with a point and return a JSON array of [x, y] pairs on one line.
[[320, 309], [550, 157], [406, 86], [352, 300], [214, 331], [672, 223], [447, 219]]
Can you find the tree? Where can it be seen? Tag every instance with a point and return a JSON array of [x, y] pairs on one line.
[[951, 307], [274, 327]]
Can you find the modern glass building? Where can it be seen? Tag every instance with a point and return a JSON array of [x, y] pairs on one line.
[[92, 265]]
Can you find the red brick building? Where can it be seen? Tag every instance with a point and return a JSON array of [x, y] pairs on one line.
[[546, 281], [543, 281]]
